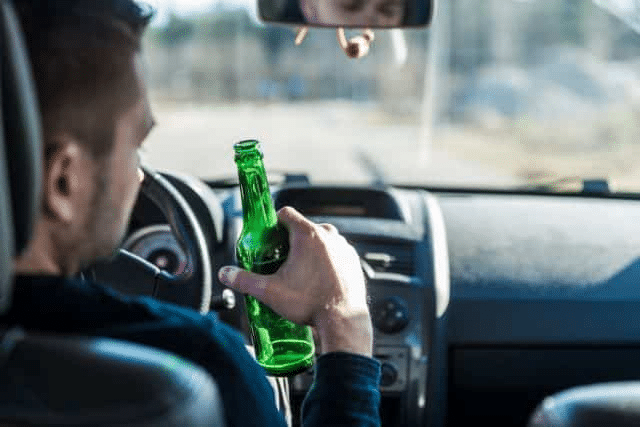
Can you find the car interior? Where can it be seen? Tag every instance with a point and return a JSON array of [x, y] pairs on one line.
[[496, 306]]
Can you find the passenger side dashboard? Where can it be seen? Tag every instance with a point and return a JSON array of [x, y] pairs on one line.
[[545, 296]]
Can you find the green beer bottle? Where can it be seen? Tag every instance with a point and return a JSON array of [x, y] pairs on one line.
[[282, 347]]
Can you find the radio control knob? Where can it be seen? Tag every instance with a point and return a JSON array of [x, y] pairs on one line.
[[390, 315], [389, 374]]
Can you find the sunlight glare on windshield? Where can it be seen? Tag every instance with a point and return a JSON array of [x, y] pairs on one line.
[[627, 10]]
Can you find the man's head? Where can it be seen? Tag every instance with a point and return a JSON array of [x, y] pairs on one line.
[[95, 115]]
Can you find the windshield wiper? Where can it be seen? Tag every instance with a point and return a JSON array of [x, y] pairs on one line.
[[568, 184], [372, 168]]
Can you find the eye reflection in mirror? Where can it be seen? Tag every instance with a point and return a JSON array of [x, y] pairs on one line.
[[355, 13]]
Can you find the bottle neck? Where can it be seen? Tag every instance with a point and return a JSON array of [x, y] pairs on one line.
[[257, 205]]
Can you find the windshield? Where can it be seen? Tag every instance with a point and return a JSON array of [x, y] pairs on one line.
[[497, 93]]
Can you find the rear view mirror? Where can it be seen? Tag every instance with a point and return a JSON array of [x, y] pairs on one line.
[[348, 13]]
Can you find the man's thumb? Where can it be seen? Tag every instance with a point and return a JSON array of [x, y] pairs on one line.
[[243, 281]]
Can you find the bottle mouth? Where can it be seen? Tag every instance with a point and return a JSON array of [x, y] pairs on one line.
[[247, 147]]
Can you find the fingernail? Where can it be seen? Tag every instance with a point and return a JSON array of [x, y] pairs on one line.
[[228, 275]]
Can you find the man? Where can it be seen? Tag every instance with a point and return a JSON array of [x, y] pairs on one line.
[[95, 112]]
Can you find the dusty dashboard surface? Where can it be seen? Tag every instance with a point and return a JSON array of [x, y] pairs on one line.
[[545, 296]]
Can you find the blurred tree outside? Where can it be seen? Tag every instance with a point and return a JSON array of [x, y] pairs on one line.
[[225, 56]]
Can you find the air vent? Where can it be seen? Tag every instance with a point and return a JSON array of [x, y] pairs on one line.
[[392, 258]]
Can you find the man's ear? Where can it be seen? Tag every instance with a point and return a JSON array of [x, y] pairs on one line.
[[67, 176]]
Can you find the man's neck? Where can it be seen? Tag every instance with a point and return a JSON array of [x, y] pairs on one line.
[[39, 257], [31, 263]]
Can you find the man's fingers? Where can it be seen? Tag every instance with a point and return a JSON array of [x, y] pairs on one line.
[[294, 220], [244, 281], [329, 227]]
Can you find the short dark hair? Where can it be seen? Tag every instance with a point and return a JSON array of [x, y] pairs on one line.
[[82, 57]]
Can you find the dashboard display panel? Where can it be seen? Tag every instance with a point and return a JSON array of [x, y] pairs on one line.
[[336, 210], [346, 202]]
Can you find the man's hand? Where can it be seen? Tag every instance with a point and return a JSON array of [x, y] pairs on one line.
[[320, 284]]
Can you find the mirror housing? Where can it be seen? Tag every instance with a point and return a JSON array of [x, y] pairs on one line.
[[381, 14]]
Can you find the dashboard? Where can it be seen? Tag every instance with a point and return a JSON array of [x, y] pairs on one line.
[[482, 303]]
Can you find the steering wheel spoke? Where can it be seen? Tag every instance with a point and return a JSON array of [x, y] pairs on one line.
[[133, 275]]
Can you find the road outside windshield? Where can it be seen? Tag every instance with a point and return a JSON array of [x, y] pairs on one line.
[[498, 93]]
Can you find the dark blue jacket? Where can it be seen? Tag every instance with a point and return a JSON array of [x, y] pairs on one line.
[[344, 393]]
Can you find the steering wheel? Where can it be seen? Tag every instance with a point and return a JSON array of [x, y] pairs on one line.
[[133, 275]]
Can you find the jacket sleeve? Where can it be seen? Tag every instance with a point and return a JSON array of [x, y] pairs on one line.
[[345, 392]]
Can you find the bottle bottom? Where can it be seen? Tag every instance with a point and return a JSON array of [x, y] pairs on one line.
[[290, 357]]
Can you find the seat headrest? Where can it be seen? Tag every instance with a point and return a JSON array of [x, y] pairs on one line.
[[22, 127], [20, 148], [6, 231], [615, 404]]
